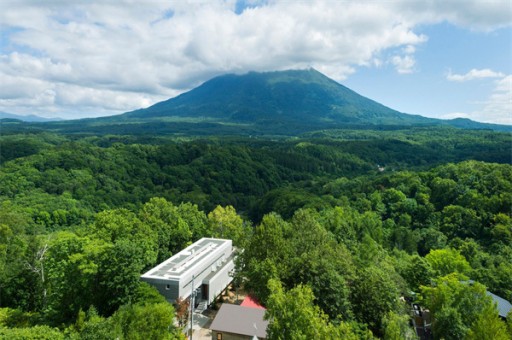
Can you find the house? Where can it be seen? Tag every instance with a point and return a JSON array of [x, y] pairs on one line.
[[205, 266], [504, 307], [234, 322]]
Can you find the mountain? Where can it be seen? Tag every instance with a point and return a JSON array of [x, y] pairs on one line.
[[284, 103], [298, 97], [28, 118]]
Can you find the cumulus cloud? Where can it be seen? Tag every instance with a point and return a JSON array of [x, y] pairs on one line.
[[474, 74], [473, 14], [403, 64], [97, 58], [496, 109]]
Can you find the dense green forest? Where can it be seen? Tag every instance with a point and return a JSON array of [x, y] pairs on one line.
[[336, 227]]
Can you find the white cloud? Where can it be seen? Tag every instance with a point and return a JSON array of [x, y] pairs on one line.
[[474, 74], [404, 64], [106, 57], [473, 14], [496, 109]]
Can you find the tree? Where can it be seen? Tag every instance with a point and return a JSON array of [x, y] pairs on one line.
[[141, 322], [258, 275], [122, 225], [173, 233], [119, 275], [31, 333], [293, 315], [456, 304], [431, 239], [266, 255], [488, 326], [461, 222], [417, 272], [225, 223], [446, 261], [195, 219], [502, 229], [341, 223], [396, 327], [114, 225], [91, 326], [375, 293], [270, 240], [72, 268], [182, 311]]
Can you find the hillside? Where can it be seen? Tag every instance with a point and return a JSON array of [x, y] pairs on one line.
[[284, 103], [300, 97], [26, 118], [348, 223]]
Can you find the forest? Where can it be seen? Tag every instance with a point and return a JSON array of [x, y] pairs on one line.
[[337, 227]]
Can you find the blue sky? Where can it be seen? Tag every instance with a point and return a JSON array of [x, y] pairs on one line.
[[75, 59], [428, 91]]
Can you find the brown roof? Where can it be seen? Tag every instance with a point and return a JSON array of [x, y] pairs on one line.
[[240, 320]]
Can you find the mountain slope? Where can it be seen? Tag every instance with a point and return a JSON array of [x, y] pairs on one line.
[[303, 97], [27, 118], [285, 103]]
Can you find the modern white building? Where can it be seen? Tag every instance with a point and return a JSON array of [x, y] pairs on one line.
[[208, 263]]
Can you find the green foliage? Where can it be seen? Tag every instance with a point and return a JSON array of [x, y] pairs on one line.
[[293, 315], [396, 327], [417, 271], [459, 307], [153, 321], [488, 326], [446, 261], [173, 232], [82, 217], [31, 333], [225, 223], [95, 327], [72, 268], [374, 293], [295, 252]]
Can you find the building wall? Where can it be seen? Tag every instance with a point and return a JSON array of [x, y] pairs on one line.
[[231, 336], [169, 289], [204, 268], [220, 281]]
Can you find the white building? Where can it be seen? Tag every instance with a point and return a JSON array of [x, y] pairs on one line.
[[209, 262]]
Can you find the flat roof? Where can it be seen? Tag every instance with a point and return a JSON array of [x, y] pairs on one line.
[[175, 266], [240, 320]]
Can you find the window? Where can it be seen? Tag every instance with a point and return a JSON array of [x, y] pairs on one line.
[[167, 287], [219, 336]]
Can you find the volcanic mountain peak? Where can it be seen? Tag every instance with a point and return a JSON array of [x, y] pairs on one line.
[[298, 96]]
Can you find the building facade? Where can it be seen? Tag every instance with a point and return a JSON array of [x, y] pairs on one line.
[[205, 266]]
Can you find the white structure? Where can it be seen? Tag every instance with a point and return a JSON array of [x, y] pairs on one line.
[[209, 262]]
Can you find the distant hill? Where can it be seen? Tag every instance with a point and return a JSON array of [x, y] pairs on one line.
[[27, 118], [285, 103]]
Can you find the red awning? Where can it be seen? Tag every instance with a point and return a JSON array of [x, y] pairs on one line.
[[251, 302]]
